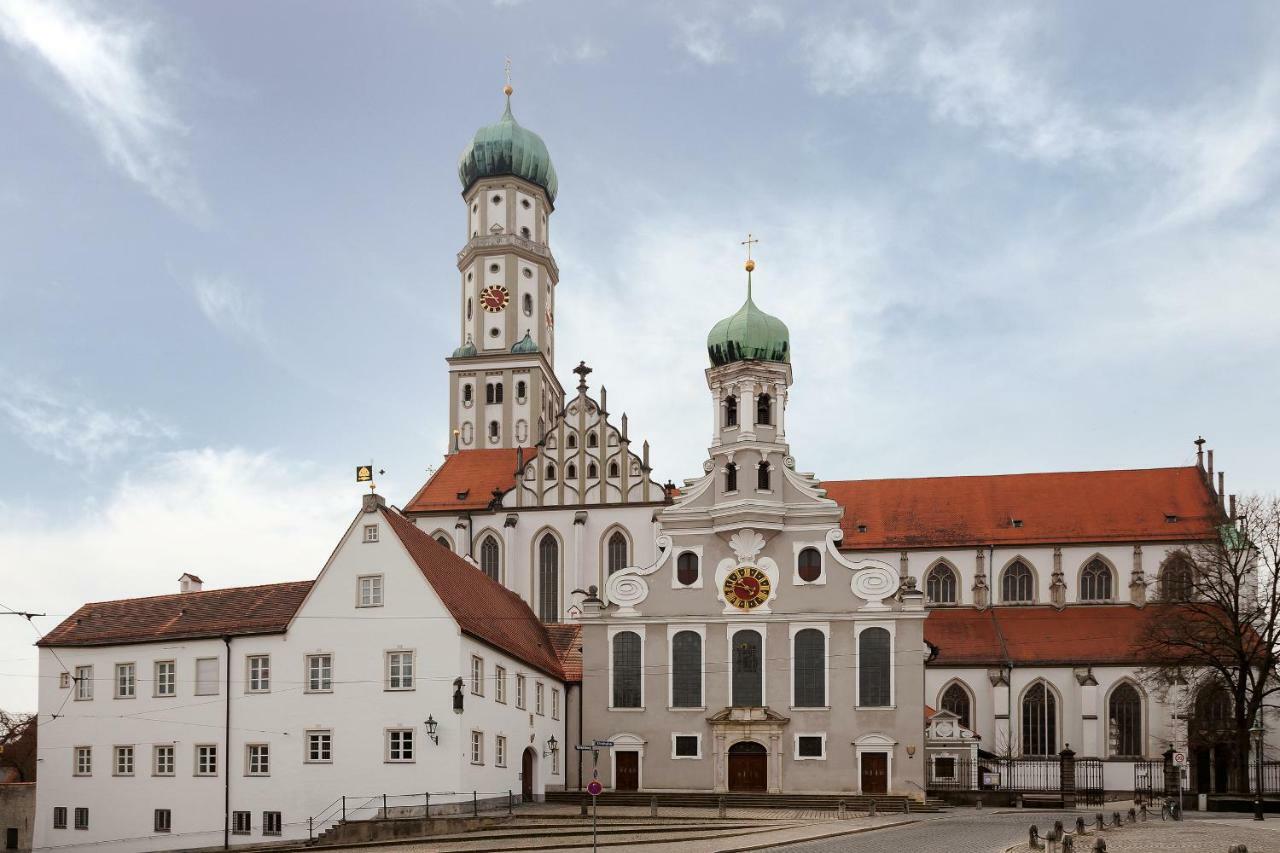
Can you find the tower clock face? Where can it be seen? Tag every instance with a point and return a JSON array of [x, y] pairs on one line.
[[494, 298], [746, 587]]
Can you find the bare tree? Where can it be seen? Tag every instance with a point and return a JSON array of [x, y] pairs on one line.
[[1217, 627], [17, 747]]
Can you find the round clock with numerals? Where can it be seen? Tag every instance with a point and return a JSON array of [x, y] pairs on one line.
[[746, 587], [494, 298]]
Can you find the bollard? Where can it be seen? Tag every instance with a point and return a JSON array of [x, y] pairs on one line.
[[1068, 844], [583, 813], [1115, 819], [426, 804], [1133, 815], [653, 807], [722, 807], [1143, 812], [1101, 822], [385, 815], [344, 809], [979, 803], [511, 802], [840, 809], [1100, 846], [1057, 830], [872, 813], [1033, 838], [475, 804], [1080, 825], [906, 806]]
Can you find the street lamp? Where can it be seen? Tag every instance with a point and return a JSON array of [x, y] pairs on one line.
[[552, 746], [1256, 731], [431, 729]]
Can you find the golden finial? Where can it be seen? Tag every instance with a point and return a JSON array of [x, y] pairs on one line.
[[750, 264], [507, 90]]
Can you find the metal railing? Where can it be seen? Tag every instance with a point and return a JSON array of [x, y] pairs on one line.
[[415, 806], [1015, 775]]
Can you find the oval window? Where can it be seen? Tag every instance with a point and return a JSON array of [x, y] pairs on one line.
[[687, 568], [809, 565]]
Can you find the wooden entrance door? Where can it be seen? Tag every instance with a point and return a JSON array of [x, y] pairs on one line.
[[875, 773], [526, 776], [748, 767], [626, 770]]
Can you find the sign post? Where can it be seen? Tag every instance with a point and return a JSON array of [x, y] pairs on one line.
[[594, 788], [1180, 761]]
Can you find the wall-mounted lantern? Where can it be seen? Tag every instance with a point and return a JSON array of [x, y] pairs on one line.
[[552, 746], [457, 695], [431, 725]]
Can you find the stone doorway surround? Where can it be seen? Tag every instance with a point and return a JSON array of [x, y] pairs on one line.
[[738, 724], [875, 742]]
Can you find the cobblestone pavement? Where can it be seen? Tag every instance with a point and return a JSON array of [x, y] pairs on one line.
[[958, 831], [1207, 834]]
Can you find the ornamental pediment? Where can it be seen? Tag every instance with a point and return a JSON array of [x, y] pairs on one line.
[[765, 716]]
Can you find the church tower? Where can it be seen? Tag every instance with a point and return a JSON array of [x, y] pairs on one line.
[[503, 391]]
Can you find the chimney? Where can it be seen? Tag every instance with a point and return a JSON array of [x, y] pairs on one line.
[[1222, 489], [1211, 469], [1199, 443], [1232, 512], [190, 583]]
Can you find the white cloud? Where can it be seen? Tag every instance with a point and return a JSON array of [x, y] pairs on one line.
[[584, 50], [107, 68], [230, 308], [74, 429], [233, 517], [703, 40]]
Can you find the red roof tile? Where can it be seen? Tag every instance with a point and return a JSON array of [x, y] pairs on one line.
[[567, 639], [214, 613], [1083, 506], [482, 607], [467, 480]]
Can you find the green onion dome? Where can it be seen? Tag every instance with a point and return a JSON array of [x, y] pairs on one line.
[[524, 345], [749, 335], [506, 148], [466, 350]]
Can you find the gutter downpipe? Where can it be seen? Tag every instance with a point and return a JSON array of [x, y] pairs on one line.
[[226, 758], [580, 710]]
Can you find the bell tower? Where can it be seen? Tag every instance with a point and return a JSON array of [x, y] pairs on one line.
[[502, 386]]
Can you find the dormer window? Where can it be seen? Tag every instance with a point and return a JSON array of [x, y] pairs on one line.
[[1170, 518], [1016, 522], [862, 528]]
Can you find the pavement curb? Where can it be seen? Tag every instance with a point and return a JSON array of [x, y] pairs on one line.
[[854, 831]]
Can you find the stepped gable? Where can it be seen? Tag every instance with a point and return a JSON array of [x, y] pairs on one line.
[[567, 639], [482, 607], [467, 480], [237, 611], [1147, 505]]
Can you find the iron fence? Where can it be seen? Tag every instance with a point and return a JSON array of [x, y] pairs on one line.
[[1090, 786], [1270, 777], [1014, 775]]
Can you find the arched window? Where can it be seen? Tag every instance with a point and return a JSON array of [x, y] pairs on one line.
[[617, 551], [521, 389], [592, 471], [763, 410], [571, 440], [626, 670], [1039, 721], [493, 430], [762, 477], [874, 668], [956, 700], [1124, 717], [551, 471], [686, 670], [940, 585], [1095, 581], [687, 568], [444, 542], [571, 471], [731, 477], [592, 441], [613, 469], [466, 393], [527, 304], [810, 669], [1176, 579], [748, 669], [549, 579], [497, 392], [730, 411], [490, 556], [1018, 585], [489, 394], [809, 564]]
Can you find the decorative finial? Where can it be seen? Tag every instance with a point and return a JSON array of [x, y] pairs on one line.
[[582, 370], [750, 264], [507, 90]]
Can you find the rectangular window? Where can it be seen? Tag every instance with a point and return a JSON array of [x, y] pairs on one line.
[[399, 670], [164, 820], [206, 676], [944, 767], [59, 817], [126, 680], [555, 704], [811, 746], [259, 673], [500, 751], [477, 675], [241, 824], [84, 761], [371, 533], [370, 590], [124, 761], [271, 823], [320, 746], [84, 683], [500, 684], [162, 760], [258, 759], [166, 678], [537, 697], [206, 759], [687, 746], [477, 747], [399, 744], [82, 817], [319, 673], [520, 691]]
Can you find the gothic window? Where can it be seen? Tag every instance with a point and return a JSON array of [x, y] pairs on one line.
[[763, 410], [731, 411], [571, 440], [1017, 585], [592, 441], [571, 471], [809, 564], [527, 303], [686, 670], [549, 579], [687, 568], [1176, 579], [489, 556], [940, 585], [626, 670], [956, 700], [551, 471], [617, 551], [1039, 721], [521, 390], [762, 477], [592, 471], [874, 673], [444, 541], [466, 393], [1124, 716], [810, 667], [613, 469], [748, 669], [1095, 581], [731, 477], [493, 430]]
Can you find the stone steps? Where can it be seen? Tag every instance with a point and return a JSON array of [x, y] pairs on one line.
[[737, 800]]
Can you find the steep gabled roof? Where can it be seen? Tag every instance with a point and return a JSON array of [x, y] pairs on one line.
[[482, 607], [1147, 505], [190, 615], [567, 639], [467, 480]]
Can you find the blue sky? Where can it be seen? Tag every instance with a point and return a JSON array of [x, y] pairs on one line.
[[1005, 238]]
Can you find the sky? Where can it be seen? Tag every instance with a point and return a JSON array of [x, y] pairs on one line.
[[1005, 238]]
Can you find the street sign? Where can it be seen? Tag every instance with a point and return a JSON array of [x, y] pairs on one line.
[[582, 748], [1179, 758], [594, 788], [603, 743]]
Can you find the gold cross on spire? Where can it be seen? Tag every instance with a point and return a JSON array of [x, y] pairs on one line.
[[749, 242], [507, 90]]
